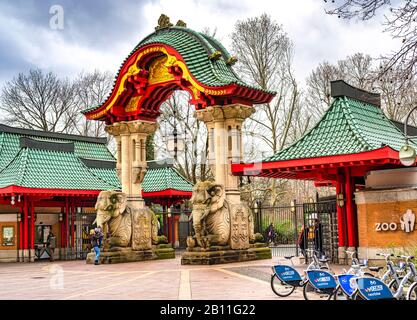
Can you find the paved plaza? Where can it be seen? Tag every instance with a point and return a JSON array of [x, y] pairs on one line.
[[159, 280]]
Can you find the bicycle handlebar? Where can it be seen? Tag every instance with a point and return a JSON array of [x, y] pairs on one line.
[[407, 258]]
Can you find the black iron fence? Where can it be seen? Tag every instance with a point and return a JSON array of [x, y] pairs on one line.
[[281, 227]]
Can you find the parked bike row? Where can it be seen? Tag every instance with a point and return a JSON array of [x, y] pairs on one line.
[[360, 282]]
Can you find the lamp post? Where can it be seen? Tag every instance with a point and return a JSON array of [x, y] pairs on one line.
[[407, 153]]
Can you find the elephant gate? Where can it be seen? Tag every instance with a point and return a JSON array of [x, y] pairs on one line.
[[177, 58]]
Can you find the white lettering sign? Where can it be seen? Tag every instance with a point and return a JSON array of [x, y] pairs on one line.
[[407, 223]]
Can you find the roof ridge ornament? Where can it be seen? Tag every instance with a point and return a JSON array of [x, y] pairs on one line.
[[231, 61], [163, 22], [215, 55], [181, 23]]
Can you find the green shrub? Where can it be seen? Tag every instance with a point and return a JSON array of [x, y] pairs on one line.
[[162, 239], [285, 232], [259, 237]]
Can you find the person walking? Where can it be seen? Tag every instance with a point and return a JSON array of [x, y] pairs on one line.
[[303, 242], [318, 237], [51, 243], [270, 233], [96, 239]]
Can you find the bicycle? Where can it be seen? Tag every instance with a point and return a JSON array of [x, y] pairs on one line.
[[392, 275], [346, 287], [320, 281], [377, 289], [285, 279]]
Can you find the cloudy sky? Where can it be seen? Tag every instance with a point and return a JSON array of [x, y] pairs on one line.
[[99, 34]]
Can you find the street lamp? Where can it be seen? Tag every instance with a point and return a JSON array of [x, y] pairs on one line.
[[407, 153]]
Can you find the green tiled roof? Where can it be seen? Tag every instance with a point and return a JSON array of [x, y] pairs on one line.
[[9, 147], [109, 175], [164, 178], [348, 126], [47, 169], [196, 48]]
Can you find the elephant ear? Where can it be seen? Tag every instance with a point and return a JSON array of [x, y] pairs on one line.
[[218, 196], [119, 201]]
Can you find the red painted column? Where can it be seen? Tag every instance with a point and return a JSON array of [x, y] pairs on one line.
[[21, 244], [350, 210], [25, 228], [32, 225], [61, 225], [340, 218], [72, 224], [66, 217]]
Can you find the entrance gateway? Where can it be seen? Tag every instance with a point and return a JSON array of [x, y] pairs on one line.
[[177, 58]]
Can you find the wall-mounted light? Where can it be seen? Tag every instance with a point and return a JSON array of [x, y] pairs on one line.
[[340, 199], [407, 153], [19, 217], [61, 216], [12, 200], [18, 198], [293, 206]]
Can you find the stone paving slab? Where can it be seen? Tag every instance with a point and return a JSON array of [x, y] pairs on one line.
[[156, 280]]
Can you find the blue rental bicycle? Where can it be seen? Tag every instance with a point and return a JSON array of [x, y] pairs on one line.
[[285, 279]]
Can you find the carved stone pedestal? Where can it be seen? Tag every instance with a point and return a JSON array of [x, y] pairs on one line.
[[162, 251], [223, 254]]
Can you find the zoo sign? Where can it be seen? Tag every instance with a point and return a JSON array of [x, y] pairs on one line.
[[407, 223]]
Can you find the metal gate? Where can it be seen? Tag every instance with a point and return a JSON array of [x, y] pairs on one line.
[[286, 222], [185, 229], [323, 234]]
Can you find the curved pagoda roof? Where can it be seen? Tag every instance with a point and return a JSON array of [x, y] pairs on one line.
[[353, 132], [43, 162], [194, 62], [163, 183], [39, 162]]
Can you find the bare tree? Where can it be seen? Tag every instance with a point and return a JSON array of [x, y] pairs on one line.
[[177, 113], [265, 56], [91, 90], [359, 70], [40, 101], [400, 22]]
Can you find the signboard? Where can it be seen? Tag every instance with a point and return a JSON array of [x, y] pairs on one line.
[[406, 223], [321, 279], [373, 289], [8, 236], [287, 273]]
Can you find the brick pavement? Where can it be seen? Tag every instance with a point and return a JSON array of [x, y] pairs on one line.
[[162, 280]]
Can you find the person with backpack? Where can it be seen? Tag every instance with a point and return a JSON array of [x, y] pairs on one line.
[[96, 239], [303, 242], [51, 243]]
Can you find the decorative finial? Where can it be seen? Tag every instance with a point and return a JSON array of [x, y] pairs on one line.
[[232, 60], [163, 22], [215, 55], [181, 23]]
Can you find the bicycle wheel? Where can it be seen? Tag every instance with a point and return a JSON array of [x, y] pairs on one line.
[[280, 288], [357, 296], [311, 293], [340, 295], [367, 274], [393, 285], [412, 292]]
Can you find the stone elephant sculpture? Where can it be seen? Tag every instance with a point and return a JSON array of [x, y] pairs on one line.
[[211, 215], [119, 220]]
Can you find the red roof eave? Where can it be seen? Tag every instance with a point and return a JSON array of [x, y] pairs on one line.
[[167, 193], [10, 190], [295, 165]]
